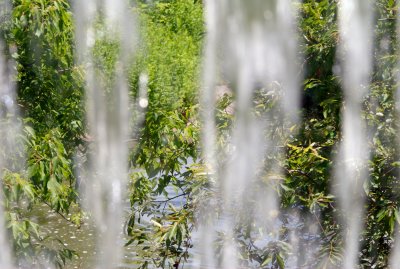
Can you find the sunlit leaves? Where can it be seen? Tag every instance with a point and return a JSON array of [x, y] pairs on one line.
[[50, 170], [49, 84]]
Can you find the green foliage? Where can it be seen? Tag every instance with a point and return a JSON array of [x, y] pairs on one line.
[[170, 56], [49, 169], [161, 224], [310, 155], [29, 242], [49, 84], [39, 37], [168, 142], [171, 59], [105, 56]]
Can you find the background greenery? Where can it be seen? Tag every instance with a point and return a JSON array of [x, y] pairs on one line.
[[39, 37]]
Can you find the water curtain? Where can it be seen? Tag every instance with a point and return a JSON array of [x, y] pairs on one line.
[[355, 65], [251, 50], [108, 119]]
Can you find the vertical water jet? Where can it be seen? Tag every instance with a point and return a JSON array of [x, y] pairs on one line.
[[108, 119], [251, 47], [351, 171], [9, 130]]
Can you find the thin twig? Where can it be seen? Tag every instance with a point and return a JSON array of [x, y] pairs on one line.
[[172, 198], [65, 218]]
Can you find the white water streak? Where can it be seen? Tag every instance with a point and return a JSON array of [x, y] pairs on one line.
[[250, 44], [209, 83], [108, 119], [355, 26], [8, 133], [394, 258]]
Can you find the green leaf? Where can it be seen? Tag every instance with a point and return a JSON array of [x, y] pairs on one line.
[[53, 186], [280, 261], [266, 261], [172, 232]]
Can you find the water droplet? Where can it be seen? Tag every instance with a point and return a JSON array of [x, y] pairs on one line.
[[143, 102]]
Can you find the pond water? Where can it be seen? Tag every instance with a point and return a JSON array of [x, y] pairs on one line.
[[83, 239], [80, 239]]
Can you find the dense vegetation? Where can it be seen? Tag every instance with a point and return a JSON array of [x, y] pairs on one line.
[[38, 37]]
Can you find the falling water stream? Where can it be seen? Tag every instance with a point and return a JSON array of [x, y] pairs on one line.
[[9, 130], [108, 120], [254, 45], [258, 44], [355, 25], [251, 48]]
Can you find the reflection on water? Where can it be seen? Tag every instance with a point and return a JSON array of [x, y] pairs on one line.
[[83, 239], [80, 239]]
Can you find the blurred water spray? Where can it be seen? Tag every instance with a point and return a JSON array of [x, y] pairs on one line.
[[351, 171], [107, 114], [251, 46], [10, 130]]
